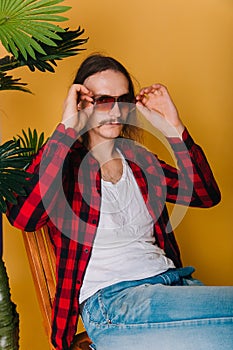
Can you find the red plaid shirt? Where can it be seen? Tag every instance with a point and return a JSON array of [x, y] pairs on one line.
[[65, 194]]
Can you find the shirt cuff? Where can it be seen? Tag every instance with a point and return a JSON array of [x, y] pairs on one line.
[[184, 144], [65, 135]]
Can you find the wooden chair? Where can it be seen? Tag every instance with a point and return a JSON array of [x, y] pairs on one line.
[[42, 263]]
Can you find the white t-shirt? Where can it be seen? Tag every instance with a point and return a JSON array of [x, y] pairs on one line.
[[124, 248]]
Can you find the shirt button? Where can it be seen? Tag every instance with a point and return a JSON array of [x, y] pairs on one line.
[[86, 250], [94, 221]]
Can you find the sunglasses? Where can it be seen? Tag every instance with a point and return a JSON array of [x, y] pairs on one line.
[[105, 103]]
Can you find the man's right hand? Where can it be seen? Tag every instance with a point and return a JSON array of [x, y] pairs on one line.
[[78, 107]]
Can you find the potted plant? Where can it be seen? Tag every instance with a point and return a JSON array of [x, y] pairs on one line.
[[32, 38], [12, 179]]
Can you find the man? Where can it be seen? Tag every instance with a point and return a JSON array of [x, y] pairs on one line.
[[103, 198]]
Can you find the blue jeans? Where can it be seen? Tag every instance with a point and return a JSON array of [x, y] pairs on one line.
[[170, 311]]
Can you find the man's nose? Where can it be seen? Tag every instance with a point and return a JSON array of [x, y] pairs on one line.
[[115, 111]]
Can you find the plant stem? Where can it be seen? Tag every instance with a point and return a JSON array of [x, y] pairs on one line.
[[0, 236]]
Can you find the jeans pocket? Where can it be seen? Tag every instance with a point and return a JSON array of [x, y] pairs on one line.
[[94, 310]]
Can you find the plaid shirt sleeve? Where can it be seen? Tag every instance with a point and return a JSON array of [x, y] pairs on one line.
[[192, 183], [29, 213]]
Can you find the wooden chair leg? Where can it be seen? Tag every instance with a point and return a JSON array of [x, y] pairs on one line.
[[81, 342]]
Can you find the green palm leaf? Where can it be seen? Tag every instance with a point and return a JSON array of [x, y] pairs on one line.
[[7, 82], [23, 24], [30, 141], [66, 47], [12, 174]]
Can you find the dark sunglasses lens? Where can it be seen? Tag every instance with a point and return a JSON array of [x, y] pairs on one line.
[[126, 103], [124, 98], [104, 103], [104, 99]]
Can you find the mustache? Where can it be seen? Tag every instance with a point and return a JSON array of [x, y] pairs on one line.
[[110, 120]]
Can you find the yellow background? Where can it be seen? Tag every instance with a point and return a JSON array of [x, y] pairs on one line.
[[186, 45]]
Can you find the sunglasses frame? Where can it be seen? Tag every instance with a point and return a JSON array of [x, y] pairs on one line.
[[114, 100]]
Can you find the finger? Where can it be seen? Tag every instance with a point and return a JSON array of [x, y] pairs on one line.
[[80, 88], [85, 102], [156, 92], [86, 98], [145, 90], [157, 85], [160, 87], [77, 91], [140, 97], [143, 95]]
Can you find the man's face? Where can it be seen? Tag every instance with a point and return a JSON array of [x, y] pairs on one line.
[[108, 117]]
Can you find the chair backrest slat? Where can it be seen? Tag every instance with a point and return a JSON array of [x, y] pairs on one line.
[[42, 262], [43, 270]]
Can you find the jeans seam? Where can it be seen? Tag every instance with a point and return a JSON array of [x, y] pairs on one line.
[[102, 307], [169, 324]]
